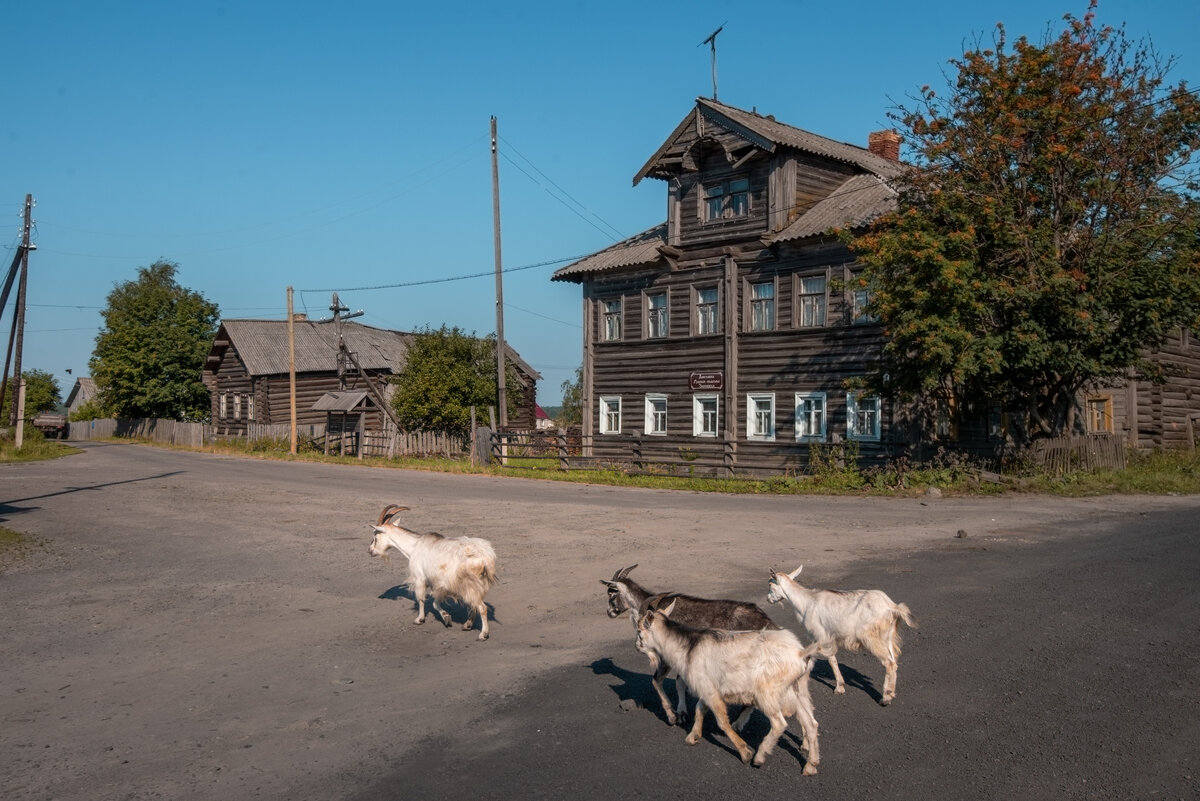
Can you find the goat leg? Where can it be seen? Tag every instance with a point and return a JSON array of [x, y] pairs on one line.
[[660, 670], [837, 674]]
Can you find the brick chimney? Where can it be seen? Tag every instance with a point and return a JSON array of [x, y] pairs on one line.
[[885, 144]]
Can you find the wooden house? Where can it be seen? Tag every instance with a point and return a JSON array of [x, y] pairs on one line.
[[726, 335], [83, 391], [247, 373]]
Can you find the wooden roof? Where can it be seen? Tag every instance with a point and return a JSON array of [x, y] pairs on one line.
[[263, 347], [343, 401], [766, 133]]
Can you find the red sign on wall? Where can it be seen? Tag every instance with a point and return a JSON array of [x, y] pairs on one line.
[[712, 380]]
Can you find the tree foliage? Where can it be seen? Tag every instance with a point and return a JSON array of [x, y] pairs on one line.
[[1046, 240], [572, 400], [448, 371], [152, 347], [42, 394]]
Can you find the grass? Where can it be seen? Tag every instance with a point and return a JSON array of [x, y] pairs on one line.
[[34, 447], [1161, 473]]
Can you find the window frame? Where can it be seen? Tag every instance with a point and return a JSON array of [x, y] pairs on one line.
[[715, 307], [860, 298], [751, 301], [698, 414], [1105, 404], [223, 406], [753, 410], [802, 298], [650, 312], [607, 405], [728, 198], [853, 401], [652, 414], [237, 406], [802, 434], [612, 333]]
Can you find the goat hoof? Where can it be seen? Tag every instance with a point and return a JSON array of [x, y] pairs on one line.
[[482, 637], [840, 689], [746, 756], [884, 701], [691, 739], [419, 621], [809, 770]]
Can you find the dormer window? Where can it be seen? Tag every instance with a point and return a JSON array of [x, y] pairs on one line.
[[727, 200]]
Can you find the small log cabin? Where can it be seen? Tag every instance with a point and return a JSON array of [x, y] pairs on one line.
[[247, 374], [727, 334]]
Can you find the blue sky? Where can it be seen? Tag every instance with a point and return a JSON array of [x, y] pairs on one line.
[[345, 147]]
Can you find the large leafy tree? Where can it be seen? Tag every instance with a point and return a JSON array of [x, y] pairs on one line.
[[446, 372], [42, 394], [1046, 239], [151, 349], [572, 400]]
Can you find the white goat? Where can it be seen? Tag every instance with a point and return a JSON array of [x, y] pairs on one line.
[[846, 619], [450, 567], [767, 668]]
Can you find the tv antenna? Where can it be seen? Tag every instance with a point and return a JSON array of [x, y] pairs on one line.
[[712, 42]]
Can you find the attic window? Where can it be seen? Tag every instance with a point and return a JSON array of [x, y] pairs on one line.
[[727, 200]]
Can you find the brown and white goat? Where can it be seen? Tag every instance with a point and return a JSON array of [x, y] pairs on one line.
[[767, 669], [854, 619], [448, 567], [626, 595]]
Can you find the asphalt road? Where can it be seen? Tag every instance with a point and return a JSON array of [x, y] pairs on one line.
[[194, 626]]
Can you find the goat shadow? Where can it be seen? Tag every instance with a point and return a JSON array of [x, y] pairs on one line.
[[823, 674], [456, 610], [639, 687]]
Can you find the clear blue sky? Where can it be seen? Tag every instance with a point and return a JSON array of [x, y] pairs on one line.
[[344, 146]]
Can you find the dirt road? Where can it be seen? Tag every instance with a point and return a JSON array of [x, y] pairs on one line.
[[198, 626]]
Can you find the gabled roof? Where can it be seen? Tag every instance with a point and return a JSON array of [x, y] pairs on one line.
[[768, 134], [83, 391], [263, 347], [343, 401]]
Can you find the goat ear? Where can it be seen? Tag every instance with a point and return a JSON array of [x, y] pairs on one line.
[[609, 584]]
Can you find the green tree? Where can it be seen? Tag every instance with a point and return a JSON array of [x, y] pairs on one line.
[[572, 400], [42, 394], [448, 371], [152, 347], [1046, 240]]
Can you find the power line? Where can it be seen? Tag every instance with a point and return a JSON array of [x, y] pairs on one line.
[[447, 279]]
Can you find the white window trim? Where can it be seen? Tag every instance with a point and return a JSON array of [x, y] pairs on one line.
[[666, 313], [820, 435], [237, 406], [696, 290], [698, 414], [619, 317], [249, 407], [748, 311], [649, 423], [753, 399], [223, 406], [608, 403], [801, 295], [852, 432]]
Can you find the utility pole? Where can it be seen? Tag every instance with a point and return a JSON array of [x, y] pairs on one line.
[[291, 329], [337, 308], [501, 383], [18, 329]]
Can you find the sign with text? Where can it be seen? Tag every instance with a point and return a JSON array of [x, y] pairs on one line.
[[711, 380]]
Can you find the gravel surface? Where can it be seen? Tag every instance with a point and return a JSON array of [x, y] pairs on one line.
[[198, 626]]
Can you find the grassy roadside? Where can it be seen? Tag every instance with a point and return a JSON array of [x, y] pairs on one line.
[[1162, 473]]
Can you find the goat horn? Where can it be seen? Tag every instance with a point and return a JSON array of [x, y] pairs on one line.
[[388, 511], [622, 573]]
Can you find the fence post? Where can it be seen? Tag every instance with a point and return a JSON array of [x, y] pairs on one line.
[[561, 439]]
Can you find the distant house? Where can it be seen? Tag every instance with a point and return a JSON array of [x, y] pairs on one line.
[[83, 391], [247, 373]]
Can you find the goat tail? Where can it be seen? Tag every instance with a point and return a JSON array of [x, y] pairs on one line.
[[905, 614]]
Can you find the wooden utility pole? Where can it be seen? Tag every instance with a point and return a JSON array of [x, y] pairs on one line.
[[291, 328], [17, 337], [501, 383]]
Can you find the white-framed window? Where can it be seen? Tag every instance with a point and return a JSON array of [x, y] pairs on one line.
[[656, 414], [237, 406], [811, 302], [862, 417], [610, 414], [223, 406], [706, 310], [762, 306], [727, 200], [612, 320], [704, 415], [810, 416], [760, 416], [656, 315], [249, 407], [859, 300]]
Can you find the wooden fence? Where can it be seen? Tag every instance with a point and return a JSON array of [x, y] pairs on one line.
[[373, 443], [1084, 452]]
